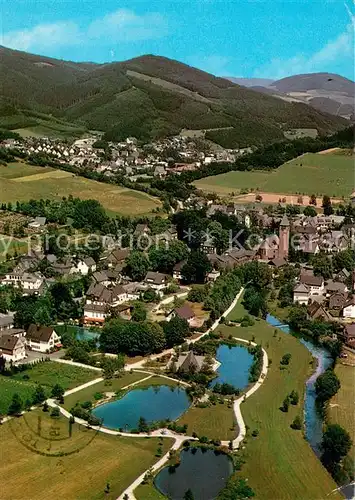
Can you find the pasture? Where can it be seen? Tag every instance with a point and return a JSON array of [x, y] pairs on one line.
[[22, 182], [44, 460], [319, 174], [341, 407], [278, 460]]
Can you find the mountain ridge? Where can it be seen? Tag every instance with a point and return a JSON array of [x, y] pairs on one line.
[[148, 96]]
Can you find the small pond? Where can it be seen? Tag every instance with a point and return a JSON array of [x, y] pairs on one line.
[[235, 365], [205, 473], [153, 403]]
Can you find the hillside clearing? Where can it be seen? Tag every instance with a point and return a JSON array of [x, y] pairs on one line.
[[22, 182], [309, 174]]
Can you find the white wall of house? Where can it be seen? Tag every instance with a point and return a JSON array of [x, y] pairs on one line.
[[43, 346], [349, 312], [300, 298]]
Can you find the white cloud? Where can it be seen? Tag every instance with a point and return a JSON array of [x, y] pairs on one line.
[[214, 64], [122, 25], [42, 35], [126, 26], [341, 47]]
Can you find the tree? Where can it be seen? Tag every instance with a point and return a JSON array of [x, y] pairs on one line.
[[137, 265], [286, 358], [111, 365], [142, 425], [139, 312], [188, 495], [326, 386], [196, 267], [16, 405], [327, 205], [297, 423], [57, 392], [55, 412], [255, 301], [335, 446], [294, 397], [310, 211], [39, 395], [313, 200], [236, 489], [322, 266], [175, 331], [285, 404]]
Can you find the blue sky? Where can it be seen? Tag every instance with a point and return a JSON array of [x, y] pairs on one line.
[[250, 38]]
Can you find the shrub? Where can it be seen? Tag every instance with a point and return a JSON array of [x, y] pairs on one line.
[[297, 423]]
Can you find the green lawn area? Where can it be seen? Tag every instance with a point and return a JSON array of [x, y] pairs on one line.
[[113, 385], [341, 407], [94, 460], [47, 374], [280, 464], [22, 182], [9, 245], [8, 387], [215, 422], [310, 174], [148, 492], [50, 373]]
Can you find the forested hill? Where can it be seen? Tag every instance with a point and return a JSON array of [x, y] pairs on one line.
[[148, 97]]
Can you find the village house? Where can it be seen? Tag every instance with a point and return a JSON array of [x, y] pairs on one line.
[[301, 294], [183, 312], [156, 281], [37, 223], [349, 308], [315, 310], [177, 275], [29, 282], [315, 284], [6, 321], [12, 347], [337, 301], [349, 335], [42, 338], [85, 266], [117, 258]]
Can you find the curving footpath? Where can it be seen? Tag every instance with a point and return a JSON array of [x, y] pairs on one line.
[[236, 406]]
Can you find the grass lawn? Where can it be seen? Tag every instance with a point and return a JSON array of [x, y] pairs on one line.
[[310, 174], [47, 374], [280, 464], [215, 422], [148, 492], [99, 459], [8, 387], [341, 408], [113, 385], [19, 181], [50, 373], [9, 245]]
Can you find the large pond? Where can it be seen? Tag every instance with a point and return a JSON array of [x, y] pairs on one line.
[[153, 403], [205, 473], [235, 365]]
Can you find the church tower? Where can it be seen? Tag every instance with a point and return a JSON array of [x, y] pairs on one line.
[[284, 238]]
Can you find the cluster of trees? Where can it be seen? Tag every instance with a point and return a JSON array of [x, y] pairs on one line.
[[132, 338], [336, 444], [256, 367], [226, 389], [316, 329]]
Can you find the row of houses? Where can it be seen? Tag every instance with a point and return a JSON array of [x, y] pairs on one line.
[[15, 342]]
